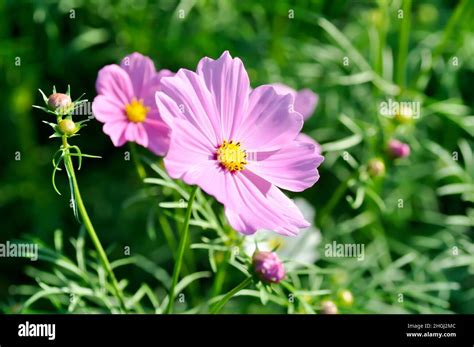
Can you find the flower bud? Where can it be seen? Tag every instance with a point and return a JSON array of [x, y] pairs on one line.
[[345, 297], [404, 115], [268, 267], [328, 307], [376, 167], [67, 127], [398, 149], [60, 103]]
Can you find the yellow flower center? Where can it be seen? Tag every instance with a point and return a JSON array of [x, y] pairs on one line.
[[136, 112], [231, 156]]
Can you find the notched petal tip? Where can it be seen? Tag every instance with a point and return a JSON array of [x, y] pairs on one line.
[[135, 57]]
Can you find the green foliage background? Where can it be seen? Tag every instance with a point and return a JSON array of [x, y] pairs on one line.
[[423, 250]]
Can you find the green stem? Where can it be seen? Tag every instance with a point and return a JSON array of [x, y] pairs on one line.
[[220, 278], [168, 233], [462, 9], [171, 240], [90, 228], [230, 294], [381, 28], [184, 236], [379, 66], [138, 165], [335, 197], [403, 44]]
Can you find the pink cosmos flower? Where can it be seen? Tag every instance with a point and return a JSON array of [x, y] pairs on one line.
[[238, 146], [304, 102], [126, 103]]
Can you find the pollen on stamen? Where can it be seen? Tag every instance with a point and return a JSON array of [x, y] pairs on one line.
[[231, 156], [136, 111]]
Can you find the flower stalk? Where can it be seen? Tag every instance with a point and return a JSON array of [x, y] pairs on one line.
[[184, 236], [88, 224], [62, 107], [138, 165], [231, 294]]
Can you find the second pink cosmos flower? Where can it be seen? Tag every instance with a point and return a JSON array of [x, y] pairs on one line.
[[126, 103], [238, 145]]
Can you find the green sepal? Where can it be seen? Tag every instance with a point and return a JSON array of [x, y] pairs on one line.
[[45, 98]]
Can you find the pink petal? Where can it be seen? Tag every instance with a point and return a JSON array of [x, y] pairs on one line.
[[167, 108], [228, 83], [107, 109], [305, 100], [153, 86], [141, 70], [195, 103], [116, 131], [293, 167], [141, 136], [135, 132], [251, 203], [158, 136], [189, 152], [302, 137], [283, 89], [257, 205], [212, 179], [288, 209], [114, 83], [270, 123], [164, 73]]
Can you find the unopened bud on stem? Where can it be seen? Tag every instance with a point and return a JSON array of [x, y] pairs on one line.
[[398, 149], [268, 267], [60, 103], [328, 307], [376, 167], [345, 297], [67, 127]]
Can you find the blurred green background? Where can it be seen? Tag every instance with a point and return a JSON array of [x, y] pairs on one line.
[[426, 56]]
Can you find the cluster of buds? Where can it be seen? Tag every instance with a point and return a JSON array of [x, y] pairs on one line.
[[62, 107], [269, 269], [395, 150]]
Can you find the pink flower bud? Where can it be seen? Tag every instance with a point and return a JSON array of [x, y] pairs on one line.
[[398, 149], [268, 267], [60, 102]]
